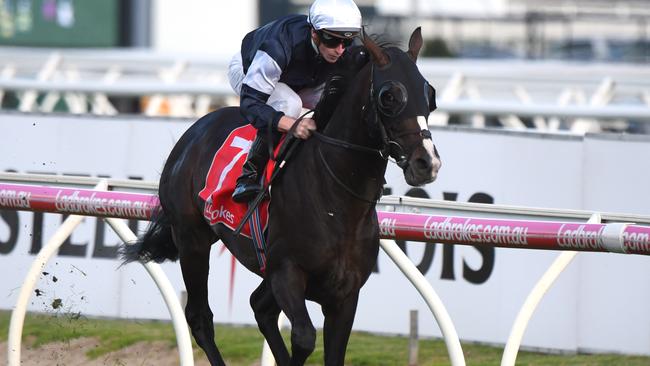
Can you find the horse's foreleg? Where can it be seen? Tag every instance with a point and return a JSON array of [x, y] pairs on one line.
[[336, 329], [266, 311], [289, 284], [194, 255]]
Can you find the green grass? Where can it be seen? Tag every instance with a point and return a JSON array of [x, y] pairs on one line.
[[242, 345]]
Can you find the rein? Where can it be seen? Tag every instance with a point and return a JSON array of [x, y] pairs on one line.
[[339, 182], [347, 146], [350, 146], [285, 151]]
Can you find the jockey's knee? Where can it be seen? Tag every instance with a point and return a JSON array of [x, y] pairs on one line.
[[236, 73], [284, 99], [276, 135]]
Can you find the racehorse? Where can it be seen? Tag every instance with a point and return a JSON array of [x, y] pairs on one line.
[[323, 232]]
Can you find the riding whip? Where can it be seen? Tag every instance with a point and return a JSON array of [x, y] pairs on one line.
[[289, 146]]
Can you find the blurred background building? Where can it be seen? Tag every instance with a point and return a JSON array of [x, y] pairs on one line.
[[603, 30], [578, 65]]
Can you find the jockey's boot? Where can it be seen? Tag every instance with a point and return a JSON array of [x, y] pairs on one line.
[[248, 183]]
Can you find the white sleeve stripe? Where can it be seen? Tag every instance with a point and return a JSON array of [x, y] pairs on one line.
[[263, 73]]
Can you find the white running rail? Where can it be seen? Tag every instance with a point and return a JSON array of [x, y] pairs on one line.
[[397, 221], [45, 254]]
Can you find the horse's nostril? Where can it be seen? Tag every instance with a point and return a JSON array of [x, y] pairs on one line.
[[422, 164]]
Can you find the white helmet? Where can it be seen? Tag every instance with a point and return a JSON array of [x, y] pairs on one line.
[[335, 15]]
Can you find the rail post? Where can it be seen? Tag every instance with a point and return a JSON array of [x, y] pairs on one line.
[[528, 308]]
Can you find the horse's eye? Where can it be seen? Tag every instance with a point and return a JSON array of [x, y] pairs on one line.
[[392, 98], [387, 99]]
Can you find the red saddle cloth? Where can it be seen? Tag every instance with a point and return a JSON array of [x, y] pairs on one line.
[[221, 180]]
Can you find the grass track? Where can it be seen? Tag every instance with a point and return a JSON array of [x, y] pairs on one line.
[[242, 345]]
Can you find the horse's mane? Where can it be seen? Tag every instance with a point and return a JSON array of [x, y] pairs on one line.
[[382, 41], [354, 60]]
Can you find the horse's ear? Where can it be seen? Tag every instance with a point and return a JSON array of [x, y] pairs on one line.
[[376, 53], [415, 43]]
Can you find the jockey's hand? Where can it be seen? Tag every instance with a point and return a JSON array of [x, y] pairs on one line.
[[304, 128]]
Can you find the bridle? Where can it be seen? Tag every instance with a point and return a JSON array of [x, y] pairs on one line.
[[390, 147], [384, 151]]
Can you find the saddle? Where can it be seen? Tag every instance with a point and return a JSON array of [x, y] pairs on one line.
[[221, 180]]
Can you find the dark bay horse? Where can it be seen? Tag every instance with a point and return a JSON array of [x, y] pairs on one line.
[[323, 232]]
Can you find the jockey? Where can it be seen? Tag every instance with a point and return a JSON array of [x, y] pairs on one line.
[[282, 67]]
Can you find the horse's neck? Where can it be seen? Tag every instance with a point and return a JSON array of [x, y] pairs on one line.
[[349, 120], [361, 172]]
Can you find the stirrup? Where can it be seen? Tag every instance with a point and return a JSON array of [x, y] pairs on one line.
[[245, 192]]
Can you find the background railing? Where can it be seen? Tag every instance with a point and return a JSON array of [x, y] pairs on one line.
[[547, 96], [397, 222]]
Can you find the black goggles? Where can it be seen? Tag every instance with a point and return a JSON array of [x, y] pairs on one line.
[[332, 41]]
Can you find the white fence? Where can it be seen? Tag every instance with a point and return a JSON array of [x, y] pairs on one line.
[[44, 198], [8, 200], [548, 96], [112, 205]]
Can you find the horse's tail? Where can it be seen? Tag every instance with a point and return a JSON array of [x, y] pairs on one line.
[[156, 244]]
